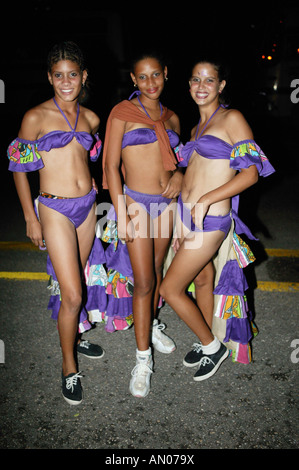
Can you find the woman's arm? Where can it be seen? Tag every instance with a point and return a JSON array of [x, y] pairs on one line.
[[174, 185], [33, 227], [112, 171], [92, 118], [30, 129], [237, 130], [241, 181]]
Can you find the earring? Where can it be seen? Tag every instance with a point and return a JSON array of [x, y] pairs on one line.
[[135, 85], [166, 78], [83, 84]]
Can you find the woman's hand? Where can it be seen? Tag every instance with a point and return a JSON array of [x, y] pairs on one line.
[[199, 211], [34, 232], [126, 231], [174, 186], [94, 185], [175, 245]]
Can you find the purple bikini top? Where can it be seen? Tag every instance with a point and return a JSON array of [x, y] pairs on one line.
[[144, 135], [24, 154], [240, 155]]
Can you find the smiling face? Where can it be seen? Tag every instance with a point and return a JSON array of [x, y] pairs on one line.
[[149, 76], [204, 84], [67, 79]]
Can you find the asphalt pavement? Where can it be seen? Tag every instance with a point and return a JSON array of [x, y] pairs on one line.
[[248, 407]]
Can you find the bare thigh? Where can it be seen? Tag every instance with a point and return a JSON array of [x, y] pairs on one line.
[[148, 249], [86, 235], [162, 233], [141, 248], [66, 245], [193, 255]]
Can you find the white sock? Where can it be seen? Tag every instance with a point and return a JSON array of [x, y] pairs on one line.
[[147, 352], [212, 347]]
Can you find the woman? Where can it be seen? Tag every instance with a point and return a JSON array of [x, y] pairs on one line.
[[55, 138], [140, 134], [222, 160]]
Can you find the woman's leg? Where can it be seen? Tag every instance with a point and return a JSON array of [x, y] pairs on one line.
[[204, 286], [86, 235], [162, 228], [61, 241], [193, 261], [162, 232], [185, 266], [147, 254], [69, 251], [141, 257]]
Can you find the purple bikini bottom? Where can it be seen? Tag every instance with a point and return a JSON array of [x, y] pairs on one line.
[[76, 209], [211, 223], [154, 204]]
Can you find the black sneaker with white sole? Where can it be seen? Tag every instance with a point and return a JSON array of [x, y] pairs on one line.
[[194, 356], [93, 351], [71, 388], [210, 363]]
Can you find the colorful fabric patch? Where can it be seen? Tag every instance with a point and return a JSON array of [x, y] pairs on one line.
[[96, 149], [24, 156], [178, 152], [118, 285], [232, 306], [247, 153], [242, 251], [110, 233]]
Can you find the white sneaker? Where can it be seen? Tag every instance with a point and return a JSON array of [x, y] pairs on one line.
[[140, 381], [160, 340]]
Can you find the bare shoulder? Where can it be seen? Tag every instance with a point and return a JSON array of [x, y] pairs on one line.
[[175, 123], [233, 116], [92, 118], [33, 120], [236, 126]]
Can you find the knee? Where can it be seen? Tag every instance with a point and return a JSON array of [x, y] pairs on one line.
[[204, 279], [143, 287], [72, 300], [165, 290]]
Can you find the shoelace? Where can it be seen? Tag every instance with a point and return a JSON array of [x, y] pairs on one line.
[[141, 369], [84, 343], [197, 347], [205, 361], [157, 329], [70, 382]]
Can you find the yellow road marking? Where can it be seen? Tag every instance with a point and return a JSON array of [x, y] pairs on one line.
[[280, 252], [271, 286], [268, 286], [275, 252], [24, 276], [22, 246]]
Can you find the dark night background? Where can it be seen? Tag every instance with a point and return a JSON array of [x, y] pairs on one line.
[[255, 407], [240, 33]]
